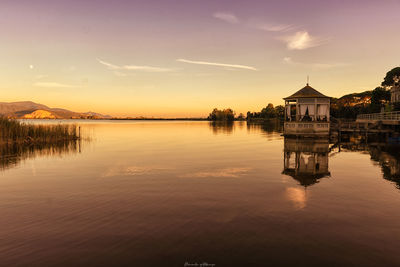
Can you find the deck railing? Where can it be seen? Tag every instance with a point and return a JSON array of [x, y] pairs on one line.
[[392, 116]]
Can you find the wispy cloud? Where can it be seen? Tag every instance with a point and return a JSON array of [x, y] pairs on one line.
[[290, 61], [302, 40], [53, 85], [109, 65], [227, 17], [145, 68], [133, 67], [217, 64], [276, 27]]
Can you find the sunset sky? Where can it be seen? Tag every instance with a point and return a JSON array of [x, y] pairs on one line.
[[183, 58]]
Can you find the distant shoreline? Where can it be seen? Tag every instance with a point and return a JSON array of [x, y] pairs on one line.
[[116, 119], [158, 119], [147, 119]]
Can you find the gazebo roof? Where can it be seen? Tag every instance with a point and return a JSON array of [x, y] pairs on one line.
[[307, 92], [306, 179]]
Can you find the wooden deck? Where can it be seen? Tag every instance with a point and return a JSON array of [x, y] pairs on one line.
[[379, 124], [387, 122]]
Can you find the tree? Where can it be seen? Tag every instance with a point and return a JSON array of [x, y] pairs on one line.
[[379, 98], [249, 115], [268, 112], [280, 111], [388, 80], [221, 115]]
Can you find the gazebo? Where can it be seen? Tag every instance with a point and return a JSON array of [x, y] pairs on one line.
[[307, 113]]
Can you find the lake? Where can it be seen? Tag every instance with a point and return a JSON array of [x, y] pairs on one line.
[[181, 193]]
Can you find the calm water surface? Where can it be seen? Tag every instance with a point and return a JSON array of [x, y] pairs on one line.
[[162, 193]]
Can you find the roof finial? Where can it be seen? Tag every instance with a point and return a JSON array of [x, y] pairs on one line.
[[308, 79]]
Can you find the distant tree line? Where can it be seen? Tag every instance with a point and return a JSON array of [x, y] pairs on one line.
[[269, 112]]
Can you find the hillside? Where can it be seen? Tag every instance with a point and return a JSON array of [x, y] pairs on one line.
[[39, 114], [355, 99], [32, 110]]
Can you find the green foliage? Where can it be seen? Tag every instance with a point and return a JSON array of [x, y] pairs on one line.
[[241, 117], [396, 106], [222, 115], [388, 80], [378, 99], [348, 112], [15, 131], [269, 112]]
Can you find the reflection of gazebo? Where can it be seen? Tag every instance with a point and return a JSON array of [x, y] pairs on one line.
[[306, 160], [307, 113]]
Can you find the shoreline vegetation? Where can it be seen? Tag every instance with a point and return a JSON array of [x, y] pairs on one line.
[[16, 132], [20, 141]]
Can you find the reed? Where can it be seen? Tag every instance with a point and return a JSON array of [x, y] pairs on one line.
[[12, 154], [12, 131]]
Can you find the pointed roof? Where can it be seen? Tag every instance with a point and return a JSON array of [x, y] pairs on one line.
[[307, 92]]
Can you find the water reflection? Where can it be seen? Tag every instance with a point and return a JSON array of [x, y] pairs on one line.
[[145, 190], [297, 196], [271, 126], [228, 127], [222, 127], [387, 155], [13, 154], [389, 160], [306, 161]]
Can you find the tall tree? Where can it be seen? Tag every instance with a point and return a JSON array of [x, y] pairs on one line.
[[388, 80], [379, 98]]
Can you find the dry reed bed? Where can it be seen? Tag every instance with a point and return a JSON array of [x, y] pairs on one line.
[[12, 131]]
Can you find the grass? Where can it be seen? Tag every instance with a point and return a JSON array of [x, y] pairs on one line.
[[12, 131], [12, 154]]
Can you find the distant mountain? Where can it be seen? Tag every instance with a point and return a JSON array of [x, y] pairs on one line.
[[31, 110]]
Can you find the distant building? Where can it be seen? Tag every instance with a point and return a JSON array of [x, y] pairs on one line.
[[395, 90], [307, 113]]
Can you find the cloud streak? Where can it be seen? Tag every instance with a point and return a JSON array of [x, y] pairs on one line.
[[227, 17], [133, 67], [276, 27], [289, 61], [53, 85], [236, 66], [302, 40]]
